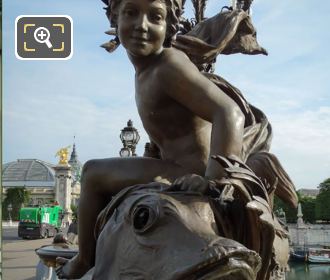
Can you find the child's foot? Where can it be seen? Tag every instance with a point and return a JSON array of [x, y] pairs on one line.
[[71, 268]]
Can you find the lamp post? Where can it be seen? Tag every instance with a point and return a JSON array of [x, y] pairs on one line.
[[10, 208], [129, 136]]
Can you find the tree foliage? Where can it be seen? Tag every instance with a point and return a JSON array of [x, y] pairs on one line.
[[17, 197], [307, 206], [290, 213], [313, 208], [74, 210], [322, 207], [308, 209]]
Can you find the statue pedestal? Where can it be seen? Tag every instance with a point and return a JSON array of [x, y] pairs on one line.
[[63, 182]]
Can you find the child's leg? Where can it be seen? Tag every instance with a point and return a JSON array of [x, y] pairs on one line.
[[100, 180]]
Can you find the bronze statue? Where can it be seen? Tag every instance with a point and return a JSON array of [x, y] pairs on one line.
[[216, 229], [189, 116], [153, 232]]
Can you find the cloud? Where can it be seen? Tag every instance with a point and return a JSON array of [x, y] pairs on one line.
[[92, 95], [302, 141], [44, 127]]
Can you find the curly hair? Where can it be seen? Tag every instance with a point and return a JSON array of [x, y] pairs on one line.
[[174, 12]]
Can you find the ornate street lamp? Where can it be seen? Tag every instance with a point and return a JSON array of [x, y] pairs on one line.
[[129, 136], [9, 209]]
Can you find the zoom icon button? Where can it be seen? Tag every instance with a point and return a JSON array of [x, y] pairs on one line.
[[39, 36], [43, 37]]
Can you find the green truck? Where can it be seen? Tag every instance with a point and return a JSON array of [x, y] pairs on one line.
[[39, 222]]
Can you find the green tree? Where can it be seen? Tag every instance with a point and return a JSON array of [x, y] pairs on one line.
[[74, 210], [308, 205], [308, 208], [290, 213], [322, 207], [17, 197], [323, 201]]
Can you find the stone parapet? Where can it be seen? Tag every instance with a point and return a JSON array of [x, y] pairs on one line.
[[310, 235]]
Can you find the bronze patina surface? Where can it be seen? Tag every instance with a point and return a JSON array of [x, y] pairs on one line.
[[190, 115], [222, 229], [149, 232]]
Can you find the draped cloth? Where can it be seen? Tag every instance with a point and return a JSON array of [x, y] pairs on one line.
[[226, 33], [232, 32]]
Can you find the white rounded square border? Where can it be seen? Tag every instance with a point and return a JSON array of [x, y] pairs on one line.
[[64, 58]]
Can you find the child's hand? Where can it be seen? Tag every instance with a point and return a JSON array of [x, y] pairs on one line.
[[191, 182]]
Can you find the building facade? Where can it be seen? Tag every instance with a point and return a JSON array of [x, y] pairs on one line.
[[37, 176], [40, 179]]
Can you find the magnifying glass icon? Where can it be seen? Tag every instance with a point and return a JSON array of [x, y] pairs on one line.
[[41, 35]]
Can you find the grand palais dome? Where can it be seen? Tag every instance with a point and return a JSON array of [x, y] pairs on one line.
[[28, 173]]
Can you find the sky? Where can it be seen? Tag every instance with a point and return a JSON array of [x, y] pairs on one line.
[[91, 96]]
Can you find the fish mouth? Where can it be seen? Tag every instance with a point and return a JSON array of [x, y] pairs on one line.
[[242, 265]]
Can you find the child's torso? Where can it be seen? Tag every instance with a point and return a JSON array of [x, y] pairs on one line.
[[181, 136]]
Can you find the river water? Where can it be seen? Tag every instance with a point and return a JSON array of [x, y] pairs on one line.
[[302, 271]]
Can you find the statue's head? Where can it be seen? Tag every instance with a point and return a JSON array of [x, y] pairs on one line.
[[174, 11]]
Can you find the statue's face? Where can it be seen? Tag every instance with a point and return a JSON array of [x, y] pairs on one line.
[[142, 26]]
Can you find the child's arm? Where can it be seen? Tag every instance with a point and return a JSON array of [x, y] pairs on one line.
[[188, 86]]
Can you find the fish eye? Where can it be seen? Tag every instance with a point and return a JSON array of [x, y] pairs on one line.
[[143, 218]]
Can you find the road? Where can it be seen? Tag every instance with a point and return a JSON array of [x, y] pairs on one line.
[[19, 259], [9, 234]]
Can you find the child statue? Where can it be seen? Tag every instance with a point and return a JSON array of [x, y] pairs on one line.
[[187, 115]]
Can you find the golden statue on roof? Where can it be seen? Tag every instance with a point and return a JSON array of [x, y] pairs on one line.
[[63, 155]]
